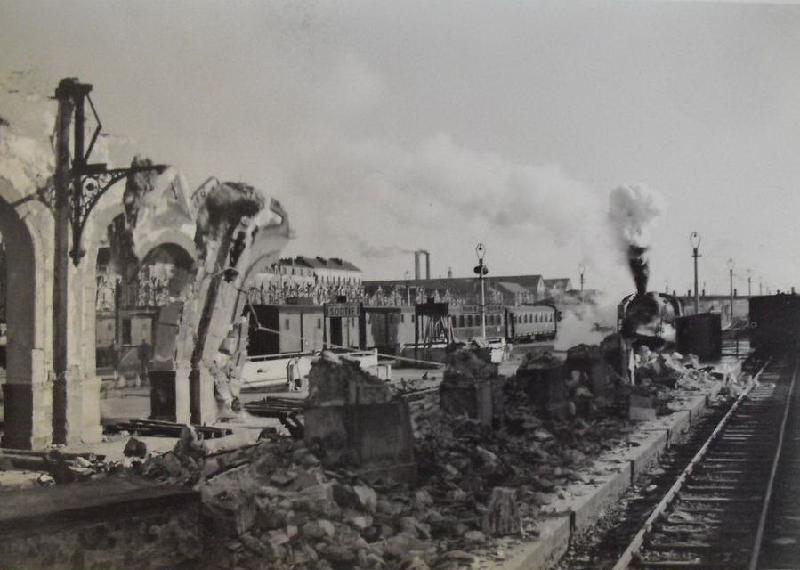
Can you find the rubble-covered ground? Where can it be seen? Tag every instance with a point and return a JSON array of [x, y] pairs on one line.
[[273, 504]]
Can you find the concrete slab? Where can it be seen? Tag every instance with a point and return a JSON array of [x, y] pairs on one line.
[[546, 550], [111, 523]]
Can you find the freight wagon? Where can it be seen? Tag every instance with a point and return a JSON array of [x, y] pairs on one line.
[[775, 323]]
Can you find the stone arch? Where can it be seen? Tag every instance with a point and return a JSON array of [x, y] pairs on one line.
[[183, 261], [28, 391]]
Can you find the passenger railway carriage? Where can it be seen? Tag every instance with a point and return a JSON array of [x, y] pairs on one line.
[[531, 322], [291, 329]]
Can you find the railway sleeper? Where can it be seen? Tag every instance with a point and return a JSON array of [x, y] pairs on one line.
[[698, 564], [728, 508], [731, 559], [699, 531], [733, 499]]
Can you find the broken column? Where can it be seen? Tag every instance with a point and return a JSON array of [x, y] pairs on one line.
[[471, 386], [353, 419], [235, 237], [589, 360], [542, 377]]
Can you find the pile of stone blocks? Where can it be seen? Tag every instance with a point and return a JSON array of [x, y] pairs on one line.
[[354, 420]]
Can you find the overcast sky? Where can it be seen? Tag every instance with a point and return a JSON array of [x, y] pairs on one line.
[[388, 126]]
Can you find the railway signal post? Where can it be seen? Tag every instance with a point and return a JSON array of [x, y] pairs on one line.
[[694, 237], [482, 270]]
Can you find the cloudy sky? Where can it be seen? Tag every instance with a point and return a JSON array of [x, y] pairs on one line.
[[389, 126]]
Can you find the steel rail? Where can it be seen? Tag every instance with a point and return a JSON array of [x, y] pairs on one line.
[[636, 542], [775, 461]]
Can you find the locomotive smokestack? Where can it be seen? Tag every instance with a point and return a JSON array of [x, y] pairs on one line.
[[639, 266]]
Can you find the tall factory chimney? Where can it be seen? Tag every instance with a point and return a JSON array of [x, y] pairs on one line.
[[417, 267]]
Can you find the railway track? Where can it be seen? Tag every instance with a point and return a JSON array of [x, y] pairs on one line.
[[714, 515], [611, 535]]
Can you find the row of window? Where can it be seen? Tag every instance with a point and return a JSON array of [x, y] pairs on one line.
[[534, 318], [391, 317], [350, 322], [460, 321]]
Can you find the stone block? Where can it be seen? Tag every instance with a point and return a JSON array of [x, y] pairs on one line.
[[376, 439]]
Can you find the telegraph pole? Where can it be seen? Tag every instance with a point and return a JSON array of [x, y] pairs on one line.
[[749, 279], [730, 270]]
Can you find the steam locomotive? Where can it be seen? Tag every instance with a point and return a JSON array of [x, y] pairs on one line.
[[649, 318]]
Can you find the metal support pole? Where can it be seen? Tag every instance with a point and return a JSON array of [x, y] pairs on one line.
[[695, 255], [62, 182], [483, 303], [731, 276]]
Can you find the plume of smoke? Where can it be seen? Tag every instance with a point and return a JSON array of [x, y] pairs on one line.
[[372, 251], [633, 212]]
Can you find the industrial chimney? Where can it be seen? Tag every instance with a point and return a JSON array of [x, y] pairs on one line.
[[417, 268]]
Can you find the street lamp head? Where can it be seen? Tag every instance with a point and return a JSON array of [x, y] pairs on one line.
[[694, 238], [480, 251], [730, 263]]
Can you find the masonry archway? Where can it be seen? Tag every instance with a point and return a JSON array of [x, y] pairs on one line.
[[28, 388]]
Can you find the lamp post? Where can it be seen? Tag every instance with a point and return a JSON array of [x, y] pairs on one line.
[[481, 270], [730, 272], [694, 238]]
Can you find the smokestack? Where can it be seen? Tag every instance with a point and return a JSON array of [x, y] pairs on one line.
[[418, 267], [640, 267]]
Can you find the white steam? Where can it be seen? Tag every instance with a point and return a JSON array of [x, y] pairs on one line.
[[633, 213], [586, 323]]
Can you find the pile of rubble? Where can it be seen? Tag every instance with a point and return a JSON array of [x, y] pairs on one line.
[[489, 459], [274, 504]]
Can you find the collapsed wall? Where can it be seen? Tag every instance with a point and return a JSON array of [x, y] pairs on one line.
[[230, 234], [234, 237]]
